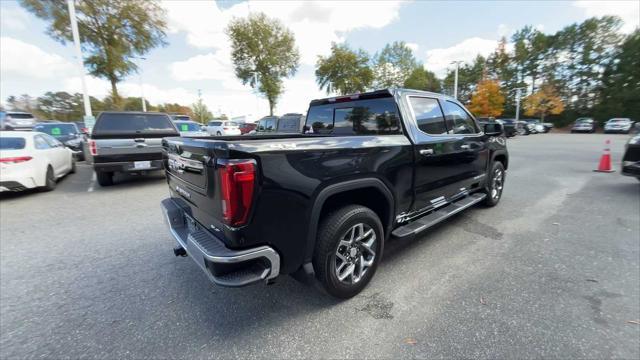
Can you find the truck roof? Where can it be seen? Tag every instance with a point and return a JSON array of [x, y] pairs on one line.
[[378, 94]]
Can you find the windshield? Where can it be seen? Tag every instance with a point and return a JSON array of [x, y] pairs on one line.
[[188, 126], [20, 116], [230, 123], [619, 120], [133, 123], [56, 129], [180, 117], [584, 120], [12, 143]]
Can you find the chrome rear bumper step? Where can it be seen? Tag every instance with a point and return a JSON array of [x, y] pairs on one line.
[[433, 218]]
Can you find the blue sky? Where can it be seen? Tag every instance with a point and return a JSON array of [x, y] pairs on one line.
[[197, 56]]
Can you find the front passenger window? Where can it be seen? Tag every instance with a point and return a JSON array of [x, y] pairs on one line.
[[458, 120]]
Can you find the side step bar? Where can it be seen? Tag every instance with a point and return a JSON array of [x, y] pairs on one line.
[[437, 216]]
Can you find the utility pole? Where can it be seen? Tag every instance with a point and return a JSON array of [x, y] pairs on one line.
[[144, 102], [255, 82], [89, 120], [518, 102], [455, 82]]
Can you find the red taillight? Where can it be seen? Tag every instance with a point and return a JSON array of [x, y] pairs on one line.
[[237, 180], [93, 148], [226, 128], [15, 160]]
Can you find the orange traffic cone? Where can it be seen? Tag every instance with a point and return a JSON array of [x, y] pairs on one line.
[[605, 159]]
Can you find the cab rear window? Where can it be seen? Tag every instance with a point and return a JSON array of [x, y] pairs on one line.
[[117, 122], [360, 117]]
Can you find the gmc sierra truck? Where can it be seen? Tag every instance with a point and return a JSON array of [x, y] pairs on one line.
[[127, 142], [369, 168]]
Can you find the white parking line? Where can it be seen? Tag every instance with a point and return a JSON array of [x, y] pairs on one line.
[[93, 183]]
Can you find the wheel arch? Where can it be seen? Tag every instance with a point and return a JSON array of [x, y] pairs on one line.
[[502, 157], [379, 199]]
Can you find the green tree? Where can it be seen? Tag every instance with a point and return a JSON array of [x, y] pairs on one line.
[[422, 79], [582, 51], [344, 71], [393, 65], [112, 33], [263, 52], [620, 92], [530, 48], [175, 108], [469, 75], [133, 103], [59, 105], [201, 112]]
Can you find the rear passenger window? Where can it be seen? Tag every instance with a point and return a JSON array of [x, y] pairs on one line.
[[428, 115], [458, 120]]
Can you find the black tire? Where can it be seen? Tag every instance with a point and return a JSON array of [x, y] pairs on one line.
[[50, 180], [73, 166], [105, 178], [333, 228], [218, 133], [493, 198]]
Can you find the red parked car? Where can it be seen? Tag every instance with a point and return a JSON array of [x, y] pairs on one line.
[[246, 128]]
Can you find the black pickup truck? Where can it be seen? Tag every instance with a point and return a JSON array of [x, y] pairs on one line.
[[378, 165]]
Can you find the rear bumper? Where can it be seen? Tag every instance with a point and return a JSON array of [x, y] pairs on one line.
[[18, 184], [222, 265], [631, 168], [127, 166]]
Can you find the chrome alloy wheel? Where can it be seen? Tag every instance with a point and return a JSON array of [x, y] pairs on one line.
[[355, 253], [497, 183]]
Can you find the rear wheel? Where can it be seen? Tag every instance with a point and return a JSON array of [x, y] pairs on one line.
[[105, 178], [495, 184], [218, 133], [348, 250], [50, 180]]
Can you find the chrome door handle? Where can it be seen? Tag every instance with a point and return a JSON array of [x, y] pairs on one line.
[[426, 152]]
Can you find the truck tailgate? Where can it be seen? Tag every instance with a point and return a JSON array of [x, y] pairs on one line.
[[125, 146]]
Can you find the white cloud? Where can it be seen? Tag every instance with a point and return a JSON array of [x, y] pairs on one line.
[[438, 60], [23, 59], [13, 19], [503, 30], [315, 24], [628, 11], [413, 46]]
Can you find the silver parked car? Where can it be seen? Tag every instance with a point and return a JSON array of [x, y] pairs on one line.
[[17, 120], [618, 125]]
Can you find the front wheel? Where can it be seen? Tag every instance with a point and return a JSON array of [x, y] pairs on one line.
[[218, 133], [348, 249], [495, 184]]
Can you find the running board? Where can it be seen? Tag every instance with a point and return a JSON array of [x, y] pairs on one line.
[[437, 216]]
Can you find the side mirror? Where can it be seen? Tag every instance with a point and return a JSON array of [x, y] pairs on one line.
[[493, 129]]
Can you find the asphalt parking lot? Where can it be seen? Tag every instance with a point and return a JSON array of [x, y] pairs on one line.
[[553, 271]]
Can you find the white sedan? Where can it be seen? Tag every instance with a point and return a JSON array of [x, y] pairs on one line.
[[223, 128], [32, 160]]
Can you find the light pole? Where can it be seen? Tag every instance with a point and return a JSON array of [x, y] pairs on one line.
[[255, 83], [88, 116], [518, 102], [455, 81], [144, 102]]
